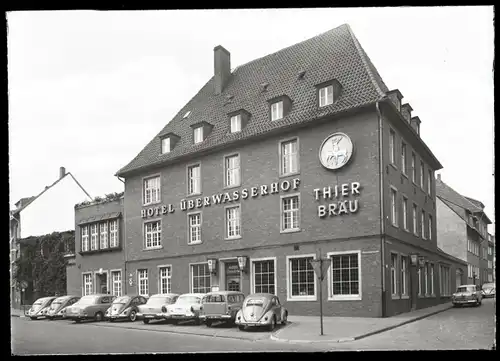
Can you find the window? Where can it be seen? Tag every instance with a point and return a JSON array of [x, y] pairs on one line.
[[345, 276], [263, 276], [152, 234], [113, 233], [165, 274], [413, 168], [87, 284], [142, 281], [104, 235], [490, 264], [151, 190], [405, 213], [420, 280], [469, 271], [290, 213], [430, 227], [490, 250], [200, 277], [232, 170], [165, 145], [394, 280], [194, 179], [415, 225], [301, 278], [404, 276], [93, 237], [233, 222], [490, 278], [289, 157], [426, 277], [422, 224], [444, 280], [198, 135], [326, 96], [194, 221], [85, 238], [422, 175], [392, 146], [277, 110], [236, 123], [394, 213], [116, 283], [431, 275], [429, 181], [403, 157]]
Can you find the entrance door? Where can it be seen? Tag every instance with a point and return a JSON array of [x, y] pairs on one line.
[[232, 276], [102, 283]]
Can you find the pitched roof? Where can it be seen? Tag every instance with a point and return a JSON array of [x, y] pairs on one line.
[[335, 54], [23, 201], [446, 193], [475, 202]]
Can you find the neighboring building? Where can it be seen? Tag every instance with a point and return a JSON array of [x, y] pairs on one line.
[[491, 258], [462, 228], [299, 151], [48, 212], [99, 263]]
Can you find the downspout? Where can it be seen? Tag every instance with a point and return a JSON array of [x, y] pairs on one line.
[[125, 276], [381, 199]]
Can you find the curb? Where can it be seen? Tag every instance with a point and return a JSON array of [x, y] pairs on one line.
[[275, 337]]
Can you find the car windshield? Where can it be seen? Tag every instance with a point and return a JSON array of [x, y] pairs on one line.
[[122, 300], [40, 302], [466, 289], [255, 302], [215, 298], [188, 299], [488, 285], [55, 304], [157, 300], [87, 300]]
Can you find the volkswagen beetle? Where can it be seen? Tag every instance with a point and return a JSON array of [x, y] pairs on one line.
[[125, 308], [488, 290], [90, 307], [58, 306], [156, 307], [187, 307], [261, 309], [40, 307]]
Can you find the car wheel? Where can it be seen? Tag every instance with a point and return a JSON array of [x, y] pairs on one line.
[[197, 321], [146, 321], [241, 327], [272, 325], [285, 318], [133, 315], [33, 318], [111, 320], [78, 321], [98, 316], [208, 323], [175, 322]]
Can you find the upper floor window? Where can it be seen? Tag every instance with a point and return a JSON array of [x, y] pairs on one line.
[[232, 170], [85, 238], [326, 96], [422, 172], [236, 123], [392, 146], [429, 181], [394, 212], [194, 179], [152, 234], [405, 213], [422, 224], [151, 190], [165, 145], [233, 222], [103, 235], [198, 135], [415, 220], [430, 227], [290, 211], [289, 157], [113, 233], [93, 237], [403, 157], [413, 168], [194, 223], [277, 110]]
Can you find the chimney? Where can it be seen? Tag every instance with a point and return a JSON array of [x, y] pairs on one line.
[[222, 68], [415, 124], [439, 176], [406, 111], [62, 172]]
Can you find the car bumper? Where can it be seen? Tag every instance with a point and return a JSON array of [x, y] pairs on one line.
[[461, 302], [216, 317], [182, 317], [253, 323], [151, 316], [78, 317], [116, 317]]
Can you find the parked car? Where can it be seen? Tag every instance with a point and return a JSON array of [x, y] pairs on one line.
[[488, 290], [221, 306], [58, 306], [156, 307], [187, 307], [40, 307], [467, 294], [261, 309], [125, 308], [90, 307]]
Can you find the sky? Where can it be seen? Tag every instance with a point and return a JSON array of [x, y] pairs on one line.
[[89, 89]]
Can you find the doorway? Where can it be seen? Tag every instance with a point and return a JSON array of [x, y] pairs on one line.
[[232, 276], [101, 282]]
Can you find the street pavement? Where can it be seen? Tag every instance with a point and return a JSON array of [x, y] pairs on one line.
[[460, 328]]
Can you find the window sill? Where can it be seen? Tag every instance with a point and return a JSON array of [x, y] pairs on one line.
[[194, 243], [344, 298], [295, 230], [395, 297], [152, 248], [194, 195], [232, 238], [151, 204], [232, 186], [393, 165], [302, 299], [405, 297], [96, 251], [394, 225], [404, 174], [289, 174]]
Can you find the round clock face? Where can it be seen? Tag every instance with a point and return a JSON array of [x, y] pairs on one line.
[[335, 151]]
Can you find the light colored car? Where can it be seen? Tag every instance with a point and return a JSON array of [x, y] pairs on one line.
[[90, 307], [187, 307], [156, 307], [221, 306], [467, 295], [40, 307], [58, 307], [261, 309], [125, 308], [488, 290]]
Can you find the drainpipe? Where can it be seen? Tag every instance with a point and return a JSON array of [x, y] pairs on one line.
[[124, 239], [382, 215]]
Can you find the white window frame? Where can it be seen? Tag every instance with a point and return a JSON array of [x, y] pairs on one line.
[[114, 283], [429, 219], [167, 278], [414, 210], [405, 212], [422, 223], [353, 297], [152, 233], [431, 275], [288, 159], [325, 95], [426, 278], [191, 276], [429, 181], [193, 181], [140, 277], [394, 206], [403, 157], [198, 135], [413, 167], [85, 243], [422, 176], [282, 213], [114, 240], [394, 275], [235, 123], [237, 221], [94, 237], [405, 274], [85, 284], [392, 146], [490, 264], [420, 288], [277, 110], [190, 233], [165, 145], [151, 188], [252, 272], [289, 296], [103, 235], [232, 172]]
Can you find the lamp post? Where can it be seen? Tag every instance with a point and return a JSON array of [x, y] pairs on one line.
[[320, 266], [242, 263]]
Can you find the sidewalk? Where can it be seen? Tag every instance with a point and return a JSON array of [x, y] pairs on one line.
[[16, 312], [344, 329]]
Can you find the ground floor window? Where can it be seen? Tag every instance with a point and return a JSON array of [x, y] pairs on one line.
[[116, 283], [301, 278], [87, 284], [200, 278], [490, 278], [420, 280], [394, 272], [142, 281], [263, 276], [444, 280], [165, 276], [404, 276], [345, 275]]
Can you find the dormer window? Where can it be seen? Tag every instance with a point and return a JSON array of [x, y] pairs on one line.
[[277, 110], [235, 123], [198, 135], [326, 96], [168, 142], [165, 145]]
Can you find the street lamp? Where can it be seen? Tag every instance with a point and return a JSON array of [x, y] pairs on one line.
[[320, 266], [242, 264], [212, 263]]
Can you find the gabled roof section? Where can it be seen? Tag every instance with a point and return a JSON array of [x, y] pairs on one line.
[[446, 193], [335, 54], [475, 202]]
